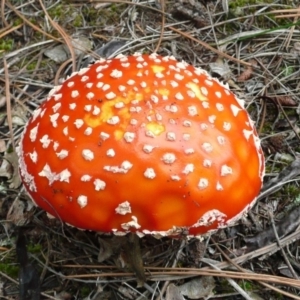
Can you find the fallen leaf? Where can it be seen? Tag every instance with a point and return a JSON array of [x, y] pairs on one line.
[[16, 214], [2, 146], [173, 293], [221, 68], [200, 287], [15, 180]]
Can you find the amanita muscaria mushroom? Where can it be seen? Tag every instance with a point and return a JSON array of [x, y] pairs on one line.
[[142, 144]]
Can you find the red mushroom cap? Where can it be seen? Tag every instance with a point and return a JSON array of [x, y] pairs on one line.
[[142, 143]]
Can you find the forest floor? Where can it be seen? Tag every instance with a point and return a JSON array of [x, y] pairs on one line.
[[254, 47]]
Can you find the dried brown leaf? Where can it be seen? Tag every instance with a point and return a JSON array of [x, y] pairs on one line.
[[247, 73], [286, 100], [16, 213]]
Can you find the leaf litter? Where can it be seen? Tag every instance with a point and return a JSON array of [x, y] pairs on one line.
[[87, 265]]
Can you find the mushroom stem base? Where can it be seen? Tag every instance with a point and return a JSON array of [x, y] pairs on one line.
[[134, 256]]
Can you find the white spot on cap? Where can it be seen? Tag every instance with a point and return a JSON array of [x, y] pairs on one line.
[[121, 88], [83, 71], [74, 94], [171, 136], [57, 97], [99, 84], [70, 83], [82, 201], [72, 106], [207, 147], [158, 117], [205, 104], [218, 94], [110, 152], [99, 185], [78, 123], [139, 58], [226, 126], [187, 123], [56, 107], [130, 82], [203, 126], [235, 110], [207, 163], [66, 131], [62, 154], [159, 75], [220, 107], [36, 113], [169, 158], [65, 118], [33, 133], [149, 133], [175, 177], [116, 74], [212, 119], [172, 108], [208, 82], [247, 134], [104, 136], [203, 183], [113, 120], [189, 168], [123, 208], [174, 84], [88, 131], [119, 105], [143, 84], [53, 119], [149, 173], [133, 122], [204, 90], [90, 95], [181, 64], [178, 76], [123, 169], [33, 156], [131, 224], [87, 154], [110, 96], [64, 175], [55, 146], [225, 170], [89, 85], [46, 172], [189, 151], [85, 178], [96, 110], [45, 141], [219, 187], [148, 148], [105, 87], [221, 140], [192, 110], [126, 165], [179, 96], [186, 136], [129, 137], [191, 94], [154, 99]]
